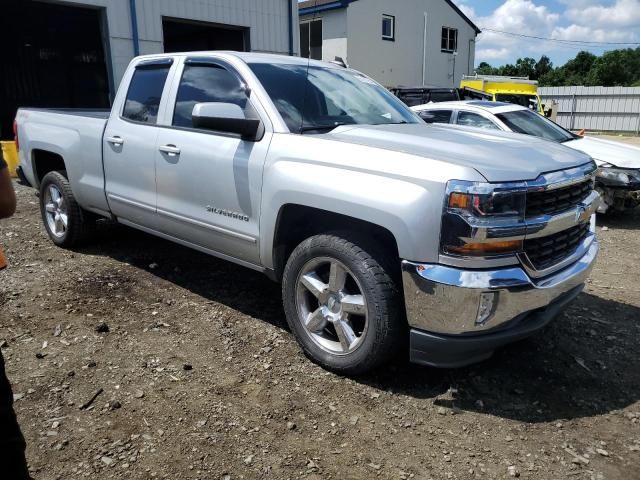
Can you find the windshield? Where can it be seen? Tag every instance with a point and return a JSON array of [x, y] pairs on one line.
[[531, 123], [328, 97], [528, 101]]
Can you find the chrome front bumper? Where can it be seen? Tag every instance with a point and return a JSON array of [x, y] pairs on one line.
[[448, 301]]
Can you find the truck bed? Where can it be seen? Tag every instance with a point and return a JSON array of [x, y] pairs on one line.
[[74, 134], [100, 113]]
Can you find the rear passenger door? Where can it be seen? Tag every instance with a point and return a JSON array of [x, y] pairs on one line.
[[209, 183], [129, 144]]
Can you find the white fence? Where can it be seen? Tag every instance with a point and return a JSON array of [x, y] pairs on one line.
[[596, 108]]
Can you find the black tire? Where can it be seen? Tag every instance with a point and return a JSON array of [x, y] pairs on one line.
[[80, 223], [386, 333]]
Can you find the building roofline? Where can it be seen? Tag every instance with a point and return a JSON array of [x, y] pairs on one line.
[[317, 7], [464, 17]]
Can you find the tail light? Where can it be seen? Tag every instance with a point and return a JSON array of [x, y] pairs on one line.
[[15, 134]]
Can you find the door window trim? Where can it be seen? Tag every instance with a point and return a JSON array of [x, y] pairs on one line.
[[166, 121], [146, 65]]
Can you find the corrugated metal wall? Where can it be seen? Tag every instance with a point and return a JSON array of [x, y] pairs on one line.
[[596, 108], [267, 21]]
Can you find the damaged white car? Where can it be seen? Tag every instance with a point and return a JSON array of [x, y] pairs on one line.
[[618, 177]]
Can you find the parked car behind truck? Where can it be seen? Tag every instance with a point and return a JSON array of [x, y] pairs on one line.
[[386, 233], [618, 176]]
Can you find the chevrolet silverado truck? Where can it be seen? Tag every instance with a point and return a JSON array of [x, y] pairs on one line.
[[388, 235]]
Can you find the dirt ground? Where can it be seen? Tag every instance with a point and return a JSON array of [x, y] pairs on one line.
[[630, 139], [200, 379]]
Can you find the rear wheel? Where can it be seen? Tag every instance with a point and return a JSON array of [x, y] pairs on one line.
[[342, 304], [67, 224]]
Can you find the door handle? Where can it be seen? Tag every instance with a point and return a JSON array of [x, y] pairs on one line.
[[115, 140], [170, 150]]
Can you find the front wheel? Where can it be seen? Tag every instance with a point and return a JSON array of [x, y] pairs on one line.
[[67, 224], [342, 305]]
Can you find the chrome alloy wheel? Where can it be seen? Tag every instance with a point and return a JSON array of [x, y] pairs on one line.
[[56, 211], [331, 305]]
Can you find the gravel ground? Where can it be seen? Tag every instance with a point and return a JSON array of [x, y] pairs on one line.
[[632, 140], [200, 379]]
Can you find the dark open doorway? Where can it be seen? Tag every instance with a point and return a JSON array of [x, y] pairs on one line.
[[184, 36], [52, 56]]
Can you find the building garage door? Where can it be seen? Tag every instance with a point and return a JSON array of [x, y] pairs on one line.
[[52, 55], [186, 36]]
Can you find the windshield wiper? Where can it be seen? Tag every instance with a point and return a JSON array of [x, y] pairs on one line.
[[401, 122], [322, 128]]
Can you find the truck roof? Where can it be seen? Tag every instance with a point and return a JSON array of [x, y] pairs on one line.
[[247, 57]]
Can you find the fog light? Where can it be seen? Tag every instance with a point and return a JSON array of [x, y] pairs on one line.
[[486, 307]]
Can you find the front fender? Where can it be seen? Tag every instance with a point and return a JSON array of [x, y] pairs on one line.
[[411, 211]]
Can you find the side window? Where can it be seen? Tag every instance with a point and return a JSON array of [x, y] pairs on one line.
[[436, 116], [202, 84], [449, 40], [470, 119], [388, 27], [145, 91], [311, 39]]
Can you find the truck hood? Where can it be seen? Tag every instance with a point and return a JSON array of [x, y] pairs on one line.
[[498, 156], [606, 151]]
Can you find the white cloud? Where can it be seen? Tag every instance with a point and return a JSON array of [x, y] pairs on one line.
[[623, 13], [583, 20]]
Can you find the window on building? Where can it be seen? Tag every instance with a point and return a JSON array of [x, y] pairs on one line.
[[470, 119], [202, 84], [436, 116], [311, 39], [388, 27], [145, 91], [449, 41]]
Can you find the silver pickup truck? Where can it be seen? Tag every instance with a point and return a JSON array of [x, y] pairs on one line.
[[389, 235]]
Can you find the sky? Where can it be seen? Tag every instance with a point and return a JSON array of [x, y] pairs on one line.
[[578, 24]]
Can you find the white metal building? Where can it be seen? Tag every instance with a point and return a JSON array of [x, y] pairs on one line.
[[264, 25], [73, 53], [402, 42]]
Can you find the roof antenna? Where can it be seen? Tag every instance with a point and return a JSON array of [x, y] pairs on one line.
[[306, 85]]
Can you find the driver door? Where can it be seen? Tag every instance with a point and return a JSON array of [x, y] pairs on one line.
[[209, 183]]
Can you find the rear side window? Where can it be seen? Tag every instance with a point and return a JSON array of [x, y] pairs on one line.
[[145, 91], [474, 120], [204, 84], [436, 116]]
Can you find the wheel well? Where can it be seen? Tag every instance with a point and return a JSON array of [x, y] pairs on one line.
[[45, 162], [297, 222]]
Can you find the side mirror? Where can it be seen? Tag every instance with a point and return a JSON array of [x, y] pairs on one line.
[[225, 117]]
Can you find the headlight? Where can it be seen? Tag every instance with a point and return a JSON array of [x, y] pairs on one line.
[[622, 176], [470, 212]]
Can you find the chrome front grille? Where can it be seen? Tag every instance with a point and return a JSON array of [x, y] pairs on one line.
[[545, 252], [558, 200]]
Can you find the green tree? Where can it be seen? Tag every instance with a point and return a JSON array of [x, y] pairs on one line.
[[613, 68], [526, 67], [485, 69], [542, 67]]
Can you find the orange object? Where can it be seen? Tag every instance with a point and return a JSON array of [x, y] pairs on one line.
[[459, 200], [581, 132], [479, 249], [3, 260]]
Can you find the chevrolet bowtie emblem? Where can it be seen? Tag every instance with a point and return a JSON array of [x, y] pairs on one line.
[[583, 214]]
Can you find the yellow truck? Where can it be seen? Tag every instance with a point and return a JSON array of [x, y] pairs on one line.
[[518, 90]]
